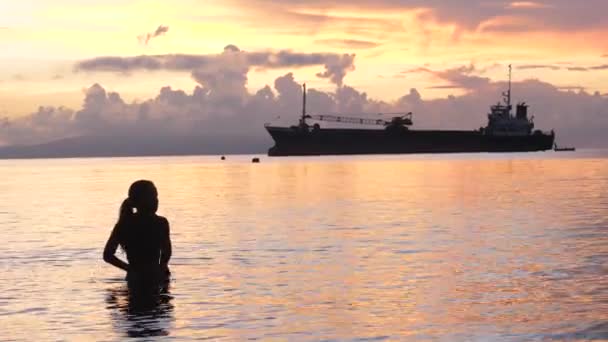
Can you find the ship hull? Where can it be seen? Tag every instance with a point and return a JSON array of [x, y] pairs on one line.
[[292, 141]]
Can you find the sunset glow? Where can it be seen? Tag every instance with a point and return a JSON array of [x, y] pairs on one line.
[[557, 42]]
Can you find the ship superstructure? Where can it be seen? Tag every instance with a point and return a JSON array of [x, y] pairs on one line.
[[501, 121]]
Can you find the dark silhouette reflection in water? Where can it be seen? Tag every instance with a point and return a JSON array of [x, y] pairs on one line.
[[141, 312]]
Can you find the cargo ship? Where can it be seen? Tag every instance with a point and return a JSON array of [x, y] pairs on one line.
[[504, 132]]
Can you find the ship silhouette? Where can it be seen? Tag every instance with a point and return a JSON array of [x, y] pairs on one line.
[[504, 132]]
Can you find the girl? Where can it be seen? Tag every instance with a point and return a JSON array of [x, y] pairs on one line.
[[143, 235]]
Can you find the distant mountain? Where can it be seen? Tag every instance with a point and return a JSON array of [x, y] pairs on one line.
[[119, 146]]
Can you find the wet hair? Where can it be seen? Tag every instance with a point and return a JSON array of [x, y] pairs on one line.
[[143, 197]]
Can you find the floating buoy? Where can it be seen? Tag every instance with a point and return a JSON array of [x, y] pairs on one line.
[[255, 160], [223, 158]]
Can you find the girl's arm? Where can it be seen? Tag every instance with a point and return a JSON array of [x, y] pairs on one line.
[[166, 250], [110, 250]]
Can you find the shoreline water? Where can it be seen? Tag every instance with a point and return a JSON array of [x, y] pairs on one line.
[[579, 153]]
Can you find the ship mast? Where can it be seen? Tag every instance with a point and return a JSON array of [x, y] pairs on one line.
[[509, 98], [507, 95], [303, 120]]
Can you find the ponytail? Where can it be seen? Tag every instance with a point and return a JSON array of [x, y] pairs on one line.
[[142, 195], [126, 210]]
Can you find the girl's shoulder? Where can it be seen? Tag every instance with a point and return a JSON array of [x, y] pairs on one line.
[[162, 221]]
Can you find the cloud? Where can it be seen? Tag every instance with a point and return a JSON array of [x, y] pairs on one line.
[[232, 60], [506, 27], [462, 71], [538, 66], [462, 77], [337, 68], [527, 5], [220, 116], [579, 88], [416, 70], [588, 68], [445, 86], [348, 43], [160, 30], [47, 123], [577, 68], [562, 15], [310, 19], [599, 67]]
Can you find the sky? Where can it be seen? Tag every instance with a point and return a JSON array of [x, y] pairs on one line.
[[185, 67]]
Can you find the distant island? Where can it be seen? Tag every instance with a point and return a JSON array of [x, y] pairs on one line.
[[128, 146]]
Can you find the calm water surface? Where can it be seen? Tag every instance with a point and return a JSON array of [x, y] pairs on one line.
[[462, 247]]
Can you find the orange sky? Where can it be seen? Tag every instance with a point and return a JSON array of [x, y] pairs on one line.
[[43, 40]]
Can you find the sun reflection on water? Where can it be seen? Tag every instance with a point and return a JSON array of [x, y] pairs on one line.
[[451, 248]]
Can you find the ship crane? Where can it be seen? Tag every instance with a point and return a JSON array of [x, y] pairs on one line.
[[400, 118]]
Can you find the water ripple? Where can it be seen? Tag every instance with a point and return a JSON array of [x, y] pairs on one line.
[[346, 249]]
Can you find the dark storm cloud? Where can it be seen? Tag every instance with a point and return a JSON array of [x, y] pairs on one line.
[[348, 43], [160, 30], [232, 60]]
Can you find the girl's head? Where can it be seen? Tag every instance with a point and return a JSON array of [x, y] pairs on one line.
[[143, 197]]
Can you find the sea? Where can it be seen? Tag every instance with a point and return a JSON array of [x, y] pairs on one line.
[[460, 247]]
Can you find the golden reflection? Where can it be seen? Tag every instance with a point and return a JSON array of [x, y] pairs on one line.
[[427, 247]]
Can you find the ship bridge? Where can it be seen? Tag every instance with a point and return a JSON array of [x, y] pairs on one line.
[[501, 121]]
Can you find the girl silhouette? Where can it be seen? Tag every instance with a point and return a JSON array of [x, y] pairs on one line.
[[143, 235]]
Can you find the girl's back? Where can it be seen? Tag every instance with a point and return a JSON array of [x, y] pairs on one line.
[[142, 238]]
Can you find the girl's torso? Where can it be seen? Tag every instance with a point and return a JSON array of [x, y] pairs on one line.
[[142, 237]]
